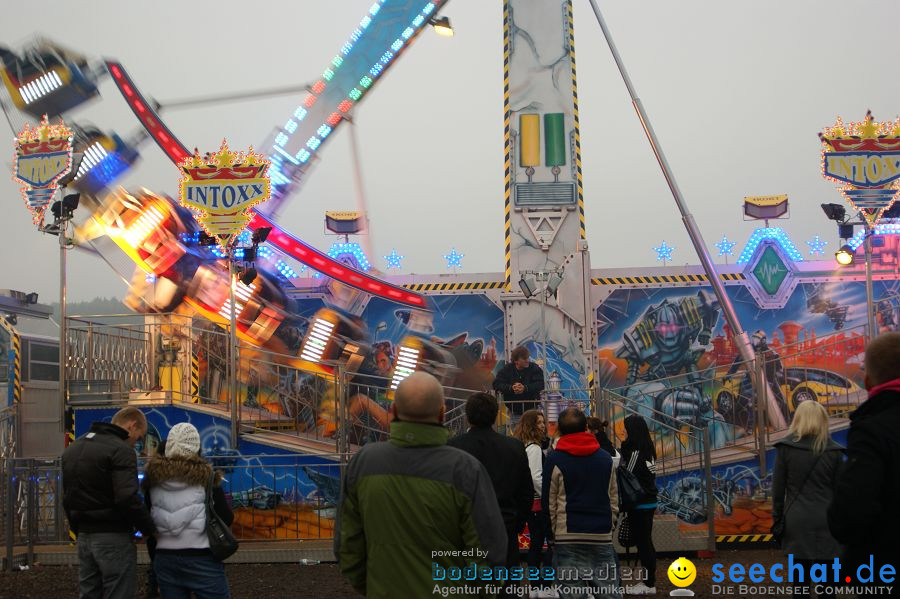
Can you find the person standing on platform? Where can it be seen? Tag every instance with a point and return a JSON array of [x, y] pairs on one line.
[[520, 382], [100, 498]]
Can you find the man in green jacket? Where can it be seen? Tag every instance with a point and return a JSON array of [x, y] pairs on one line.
[[415, 512]]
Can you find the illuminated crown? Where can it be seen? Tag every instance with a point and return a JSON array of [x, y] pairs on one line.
[[225, 164], [43, 137], [868, 135]]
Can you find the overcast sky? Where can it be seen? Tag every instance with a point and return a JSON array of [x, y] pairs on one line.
[[736, 91]]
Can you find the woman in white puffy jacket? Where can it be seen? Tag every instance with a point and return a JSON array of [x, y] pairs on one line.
[[175, 484]]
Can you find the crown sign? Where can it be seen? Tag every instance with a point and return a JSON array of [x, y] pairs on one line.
[[43, 156], [864, 160], [220, 189]]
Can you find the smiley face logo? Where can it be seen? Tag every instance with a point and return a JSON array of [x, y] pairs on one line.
[[682, 572]]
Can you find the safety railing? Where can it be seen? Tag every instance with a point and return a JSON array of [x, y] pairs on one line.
[[114, 357], [32, 514], [177, 359], [826, 369]]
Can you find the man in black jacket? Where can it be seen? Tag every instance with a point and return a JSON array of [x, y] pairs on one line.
[[521, 382], [863, 515], [100, 497], [505, 460]]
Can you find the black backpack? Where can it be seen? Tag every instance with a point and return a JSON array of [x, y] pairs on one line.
[[631, 493]]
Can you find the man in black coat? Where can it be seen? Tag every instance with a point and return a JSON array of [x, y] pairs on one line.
[[100, 497], [521, 382], [505, 460], [863, 515]]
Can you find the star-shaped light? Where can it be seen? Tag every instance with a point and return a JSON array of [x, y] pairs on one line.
[[454, 259], [393, 259], [726, 248], [664, 252], [816, 245]]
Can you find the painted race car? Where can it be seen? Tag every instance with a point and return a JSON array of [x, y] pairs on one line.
[[837, 393]]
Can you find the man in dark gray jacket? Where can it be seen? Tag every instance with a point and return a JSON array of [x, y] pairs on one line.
[[100, 497], [863, 515]]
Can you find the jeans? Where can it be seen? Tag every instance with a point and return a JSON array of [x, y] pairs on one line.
[[642, 526], [107, 565], [180, 575], [599, 558]]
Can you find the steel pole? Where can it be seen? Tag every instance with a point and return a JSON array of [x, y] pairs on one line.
[[870, 300], [63, 325], [543, 293], [741, 339], [745, 349], [710, 497], [233, 358]]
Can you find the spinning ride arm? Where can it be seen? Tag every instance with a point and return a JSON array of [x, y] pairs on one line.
[[284, 241]]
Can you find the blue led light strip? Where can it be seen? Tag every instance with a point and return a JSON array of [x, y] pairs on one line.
[[380, 36], [780, 238], [884, 228]]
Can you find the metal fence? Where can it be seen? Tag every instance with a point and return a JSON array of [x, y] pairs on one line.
[[290, 497], [732, 398], [31, 492]]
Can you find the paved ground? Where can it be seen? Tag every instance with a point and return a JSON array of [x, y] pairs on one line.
[[260, 581]]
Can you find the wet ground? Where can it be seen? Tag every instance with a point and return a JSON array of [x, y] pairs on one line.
[[260, 581]]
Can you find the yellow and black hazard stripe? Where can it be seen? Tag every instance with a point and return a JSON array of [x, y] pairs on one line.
[[507, 178], [16, 344], [195, 378], [455, 286], [571, 25], [743, 538], [662, 279]]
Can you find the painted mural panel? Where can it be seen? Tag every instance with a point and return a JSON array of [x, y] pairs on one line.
[[469, 327], [743, 498], [671, 351]]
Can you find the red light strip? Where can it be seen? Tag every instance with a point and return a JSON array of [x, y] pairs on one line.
[[278, 237], [315, 259], [161, 134]]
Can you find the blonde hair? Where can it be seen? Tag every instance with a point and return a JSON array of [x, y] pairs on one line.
[[130, 414], [811, 420]]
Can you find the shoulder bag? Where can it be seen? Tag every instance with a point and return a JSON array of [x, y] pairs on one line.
[[222, 543]]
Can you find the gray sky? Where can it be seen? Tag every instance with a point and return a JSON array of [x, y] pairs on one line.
[[736, 91]]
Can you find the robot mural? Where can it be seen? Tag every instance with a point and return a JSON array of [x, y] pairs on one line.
[[669, 339]]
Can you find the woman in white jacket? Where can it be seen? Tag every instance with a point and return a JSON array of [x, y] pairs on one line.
[[176, 483]]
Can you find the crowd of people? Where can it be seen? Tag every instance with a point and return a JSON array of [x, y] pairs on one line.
[[415, 509], [419, 510]]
